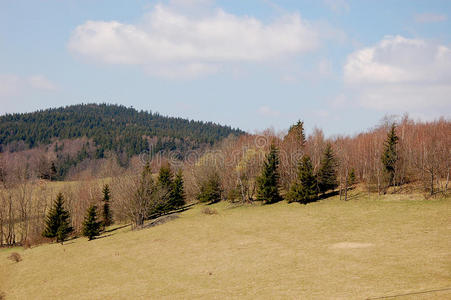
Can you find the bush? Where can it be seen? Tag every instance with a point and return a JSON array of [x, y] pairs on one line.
[[15, 257], [209, 211], [211, 190]]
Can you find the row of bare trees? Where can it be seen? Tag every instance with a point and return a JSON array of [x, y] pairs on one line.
[[423, 153]]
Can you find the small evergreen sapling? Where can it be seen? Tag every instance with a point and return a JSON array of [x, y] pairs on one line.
[[351, 177], [211, 190], [91, 227]]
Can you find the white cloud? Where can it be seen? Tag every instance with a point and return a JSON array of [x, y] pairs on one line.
[[266, 111], [40, 82], [430, 18], [169, 43], [12, 85], [337, 6], [401, 74], [9, 85]]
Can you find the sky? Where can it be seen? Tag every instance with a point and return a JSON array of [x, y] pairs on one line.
[[253, 64]]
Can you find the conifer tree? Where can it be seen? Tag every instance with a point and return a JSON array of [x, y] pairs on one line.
[[351, 177], [210, 190], [297, 133], [177, 197], [165, 184], [304, 190], [57, 223], [165, 177], [91, 227], [63, 232], [327, 176], [106, 213], [390, 155], [268, 181]]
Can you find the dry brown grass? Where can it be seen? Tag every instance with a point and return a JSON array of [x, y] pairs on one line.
[[258, 252]]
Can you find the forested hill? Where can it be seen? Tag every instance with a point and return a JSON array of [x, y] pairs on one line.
[[112, 127]]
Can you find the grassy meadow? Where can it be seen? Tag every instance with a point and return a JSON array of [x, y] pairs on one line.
[[359, 249]]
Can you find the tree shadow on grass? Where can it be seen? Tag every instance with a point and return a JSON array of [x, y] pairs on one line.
[[102, 236], [117, 228], [327, 195]]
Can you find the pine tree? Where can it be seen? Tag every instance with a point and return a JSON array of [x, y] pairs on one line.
[[351, 177], [57, 223], [53, 172], [211, 190], [106, 213], [177, 198], [165, 184], [327, 176], [91, 227], [304, 190], [268, 181], [63, 232], [165, 177], [390, 155], [296, 132]]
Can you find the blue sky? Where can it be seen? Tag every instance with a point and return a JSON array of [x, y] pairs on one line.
[[339, 65]]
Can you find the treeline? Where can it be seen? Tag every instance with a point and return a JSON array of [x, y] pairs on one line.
[[385, 158], [396, 156], [111, 127], [32, 213]]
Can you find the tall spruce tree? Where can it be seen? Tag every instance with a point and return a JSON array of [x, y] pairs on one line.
[[91, 227], [165, 184], [165, 177], [304, 190], [268, 181], [296, 132], [107, 218], [177, 198], [390, 155], [57, 223], [327, 175]]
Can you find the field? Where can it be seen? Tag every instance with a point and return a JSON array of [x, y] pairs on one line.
[[362, 248]]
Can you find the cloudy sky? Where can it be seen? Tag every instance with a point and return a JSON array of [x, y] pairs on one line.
[[340, 65]]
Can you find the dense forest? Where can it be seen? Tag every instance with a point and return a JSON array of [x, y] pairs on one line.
[[111, 127], [67, 136]]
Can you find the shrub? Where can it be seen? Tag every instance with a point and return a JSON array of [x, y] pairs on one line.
[[209, 211], [211, 190], [15, 257]]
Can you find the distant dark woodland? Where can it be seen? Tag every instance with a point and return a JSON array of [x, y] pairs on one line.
[[108, 128]]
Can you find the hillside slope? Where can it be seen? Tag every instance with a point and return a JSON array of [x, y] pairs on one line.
[[112, 127], [362, 248]]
